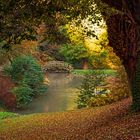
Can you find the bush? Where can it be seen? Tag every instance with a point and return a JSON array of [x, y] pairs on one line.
[[24, 95], [115, 89], [118, 87], [90, 88], [23, 67], [101, 100], [28, 76]]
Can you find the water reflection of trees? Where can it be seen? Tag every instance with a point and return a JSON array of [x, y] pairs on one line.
[[56, 79]]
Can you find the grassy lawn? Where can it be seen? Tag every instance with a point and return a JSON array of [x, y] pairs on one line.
[[111, 122], [4, 115], [83, 72]]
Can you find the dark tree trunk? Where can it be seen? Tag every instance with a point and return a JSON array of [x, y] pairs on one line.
[[135, 85], [85, 64], [124, 37]]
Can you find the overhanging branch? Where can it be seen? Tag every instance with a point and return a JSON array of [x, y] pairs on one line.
[[117, 4]]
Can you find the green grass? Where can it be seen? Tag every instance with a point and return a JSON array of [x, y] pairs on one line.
[[83, 72], [4, 115]]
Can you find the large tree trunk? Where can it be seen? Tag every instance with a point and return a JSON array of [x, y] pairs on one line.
[[124, 37], [134, 8], [135, 87], [85, 64]]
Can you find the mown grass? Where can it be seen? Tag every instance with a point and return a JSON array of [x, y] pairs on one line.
[[83, 72], [111, 122]]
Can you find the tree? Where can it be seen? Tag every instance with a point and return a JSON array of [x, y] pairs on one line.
[[124, 33], [85, 48], [106, 56], [90, 88], [18, 20], [75, 53], [28, 77]]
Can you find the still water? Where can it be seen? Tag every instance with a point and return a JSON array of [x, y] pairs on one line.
[[61, 95]]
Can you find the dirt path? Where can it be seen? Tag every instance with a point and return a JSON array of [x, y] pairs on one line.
[[111, 122]]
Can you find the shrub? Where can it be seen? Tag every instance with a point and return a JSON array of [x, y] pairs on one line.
[[23, 67], [91, 86], [118, 87], [24, 95], [28, 76], [115, 89], [100, 100]]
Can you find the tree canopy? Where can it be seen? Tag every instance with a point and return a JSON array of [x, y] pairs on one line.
[[19, 20]]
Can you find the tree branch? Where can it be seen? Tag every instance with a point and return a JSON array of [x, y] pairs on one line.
[[117, 4]]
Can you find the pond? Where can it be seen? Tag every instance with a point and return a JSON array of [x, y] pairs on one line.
[[61, 94]]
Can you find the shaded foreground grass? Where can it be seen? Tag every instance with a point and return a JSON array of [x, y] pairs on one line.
[[111, 122]]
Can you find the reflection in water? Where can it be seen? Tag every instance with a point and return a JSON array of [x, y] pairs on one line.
[[61, 95]]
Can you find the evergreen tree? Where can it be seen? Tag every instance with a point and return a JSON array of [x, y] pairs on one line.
[[90, 87]]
